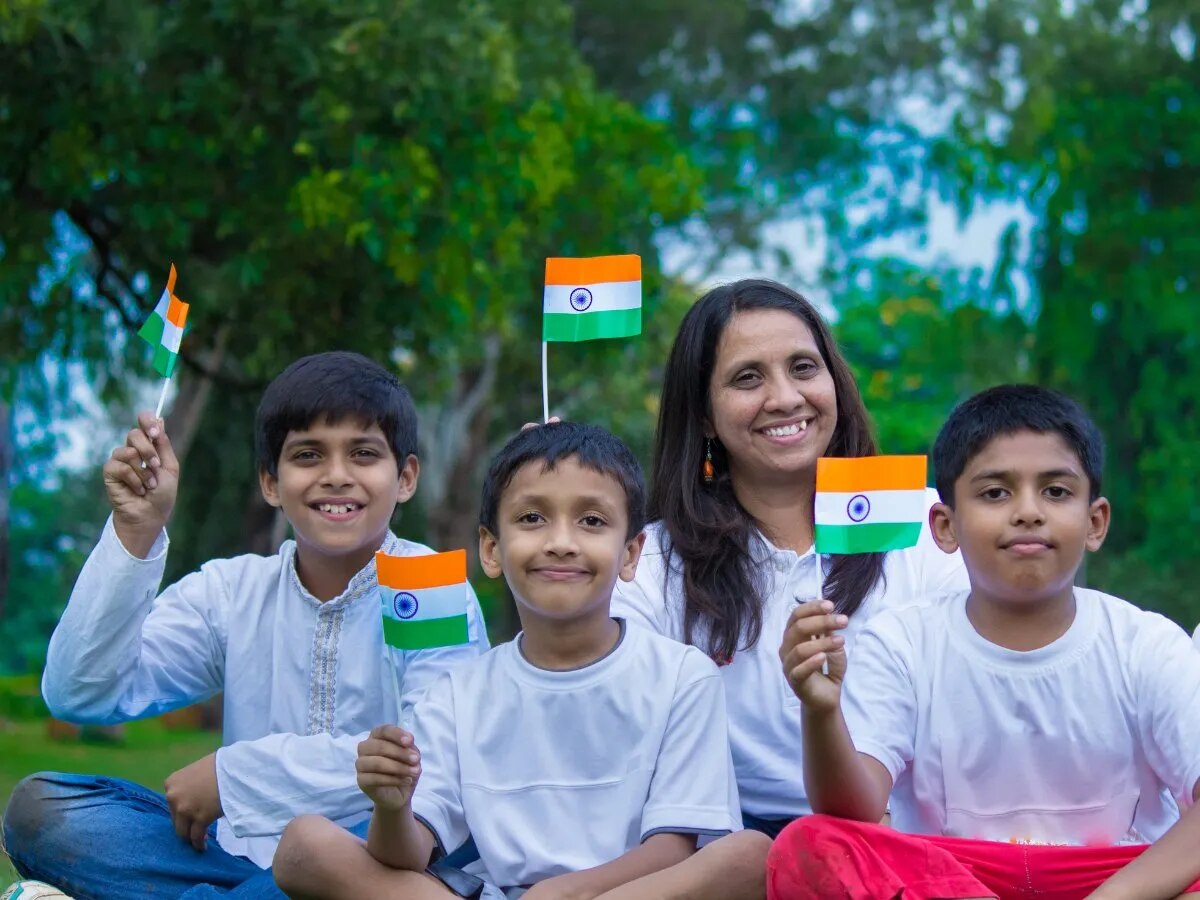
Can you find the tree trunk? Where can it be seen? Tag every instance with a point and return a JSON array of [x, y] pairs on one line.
[[6, 463]]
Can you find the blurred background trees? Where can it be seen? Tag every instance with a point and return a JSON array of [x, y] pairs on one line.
[[389, 177]]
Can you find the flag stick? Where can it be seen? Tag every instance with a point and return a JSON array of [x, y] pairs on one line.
[[820, 576], [162, 398], [545, 388], [401, 718]]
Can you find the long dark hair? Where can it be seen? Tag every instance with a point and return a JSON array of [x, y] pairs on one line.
[[707, 530]]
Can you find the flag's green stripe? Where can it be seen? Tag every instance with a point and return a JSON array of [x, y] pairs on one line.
[[152, 331], [421, 634], [868, 538], [164, 361], [589, 326]]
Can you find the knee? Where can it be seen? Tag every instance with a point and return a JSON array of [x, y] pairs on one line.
[[297, 863], [745, 851], [32, 814]]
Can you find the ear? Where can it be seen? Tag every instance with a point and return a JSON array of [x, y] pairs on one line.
[[489, 553], [1099, 516], [269, 485], [941, 525], [409, 473], [630, 556]]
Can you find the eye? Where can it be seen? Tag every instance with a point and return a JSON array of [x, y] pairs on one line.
[[593, 521], [746, 378], [994, 493], [305, 456], [803, 368], [365, 454], [1057, 492], [530, 518]]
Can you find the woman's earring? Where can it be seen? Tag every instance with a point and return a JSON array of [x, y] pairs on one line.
[[708, 469]]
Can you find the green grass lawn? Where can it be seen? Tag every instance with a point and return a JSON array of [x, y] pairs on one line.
[[148, 754]]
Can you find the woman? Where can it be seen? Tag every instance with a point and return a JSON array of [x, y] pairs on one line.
[[754, 394]]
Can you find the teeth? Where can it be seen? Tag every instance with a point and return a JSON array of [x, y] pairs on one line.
[[338, 508], [786, 430]]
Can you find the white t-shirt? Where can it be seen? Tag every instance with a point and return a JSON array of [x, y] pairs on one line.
[[1090, 739], [764, 714], [553, 772]]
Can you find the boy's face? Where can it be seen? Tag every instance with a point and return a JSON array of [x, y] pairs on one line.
[[1022, 518], [338, 485], [562, 540]]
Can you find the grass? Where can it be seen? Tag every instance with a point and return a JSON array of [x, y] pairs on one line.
[[148, 754]]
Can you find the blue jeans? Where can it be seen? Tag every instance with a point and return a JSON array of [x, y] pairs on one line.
[[108, 839]]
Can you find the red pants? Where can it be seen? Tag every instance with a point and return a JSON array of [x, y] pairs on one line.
[[824, 858]]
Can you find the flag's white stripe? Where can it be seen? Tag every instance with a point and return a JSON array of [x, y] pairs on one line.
[[172, 336], [164, 303], [605, 296], [832, 507], [432, 603]]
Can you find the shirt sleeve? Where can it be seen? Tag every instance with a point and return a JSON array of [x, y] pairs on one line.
[[265, 783], [437, 801], [118, 653], [1167, 686], [693, 789], [420, 668], [878, 696]]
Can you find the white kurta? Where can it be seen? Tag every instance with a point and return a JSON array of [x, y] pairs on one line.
[[303, 680]]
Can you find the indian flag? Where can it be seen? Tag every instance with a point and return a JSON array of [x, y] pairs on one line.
[[869, 504], [594, 297], [164, 329], [424, 599]]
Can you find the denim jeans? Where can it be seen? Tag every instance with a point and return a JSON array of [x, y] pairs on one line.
[[106, 839]]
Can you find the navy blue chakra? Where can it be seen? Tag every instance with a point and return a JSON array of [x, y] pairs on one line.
[[405, 604], [858, 508], [581, 299]]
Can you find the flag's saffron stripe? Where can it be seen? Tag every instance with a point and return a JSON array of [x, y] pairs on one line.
[[590, 326], [870, 473], [867, 538], [177, 312], [414, 573], [421, 634], [171, 280], [593, 270], [880, 506], [609, 295]]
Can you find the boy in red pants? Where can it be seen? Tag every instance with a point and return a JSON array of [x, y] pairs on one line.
[[1035, 738]]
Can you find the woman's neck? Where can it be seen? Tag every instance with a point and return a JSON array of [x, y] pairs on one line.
[[782, 509]]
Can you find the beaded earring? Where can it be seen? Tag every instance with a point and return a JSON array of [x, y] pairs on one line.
[[708, 469]]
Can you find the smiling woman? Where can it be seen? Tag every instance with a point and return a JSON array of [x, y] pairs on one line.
[[755, 393]]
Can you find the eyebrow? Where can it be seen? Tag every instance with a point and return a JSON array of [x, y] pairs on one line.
[[1001, 474], [316, 442], [590, 500]]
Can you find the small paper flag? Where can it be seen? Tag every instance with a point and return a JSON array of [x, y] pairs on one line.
[[869, 504], [424, 599], [591, 298], [163, 330]]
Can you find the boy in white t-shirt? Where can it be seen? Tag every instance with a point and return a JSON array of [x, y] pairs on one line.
[[580, 756], [1040, 738]]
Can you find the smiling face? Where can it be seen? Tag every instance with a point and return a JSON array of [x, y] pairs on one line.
[[561, 543], [338, 485], [1022, 519], [772, 398]]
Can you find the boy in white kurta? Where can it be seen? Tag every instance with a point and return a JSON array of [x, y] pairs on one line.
[[1036, 738], [580, 756], [293, 640]]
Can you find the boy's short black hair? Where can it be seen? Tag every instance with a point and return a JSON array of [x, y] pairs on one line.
[[333, 387], [1005, 410], [594, 447]]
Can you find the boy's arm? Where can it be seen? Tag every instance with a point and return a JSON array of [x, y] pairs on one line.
[[112, 658], [1166, 869], [838, 779], [387, 768], [395, 838]]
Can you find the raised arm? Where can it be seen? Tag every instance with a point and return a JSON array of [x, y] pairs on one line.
[[839, 780]]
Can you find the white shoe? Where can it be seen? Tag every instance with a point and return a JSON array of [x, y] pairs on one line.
[[33, 890]]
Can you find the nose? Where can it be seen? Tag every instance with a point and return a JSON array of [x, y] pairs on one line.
[[1027, 508], [783, 394], [560, 539], [336, 472]]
